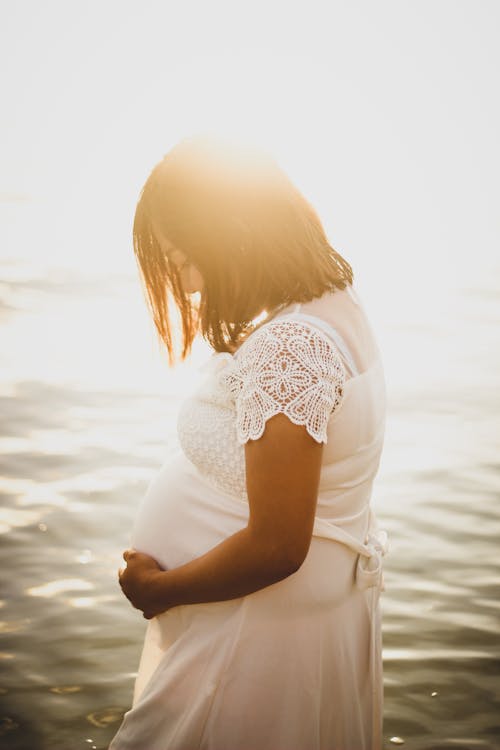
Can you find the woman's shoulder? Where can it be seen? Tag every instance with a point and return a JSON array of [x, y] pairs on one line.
[[284, 321], [289, 332]]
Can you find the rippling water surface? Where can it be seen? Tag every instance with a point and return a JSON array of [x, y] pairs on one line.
[[88, 415]]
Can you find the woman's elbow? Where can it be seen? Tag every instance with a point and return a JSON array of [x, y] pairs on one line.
[[287, 559], [277, 555]]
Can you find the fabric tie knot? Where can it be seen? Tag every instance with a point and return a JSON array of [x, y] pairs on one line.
[[369, 571]]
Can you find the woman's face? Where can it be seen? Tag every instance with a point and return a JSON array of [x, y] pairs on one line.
[[191, 279]]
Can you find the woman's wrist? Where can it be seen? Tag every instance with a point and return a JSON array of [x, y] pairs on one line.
[[161, 590]]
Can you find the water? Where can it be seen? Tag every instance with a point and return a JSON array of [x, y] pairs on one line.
[[88, 411]]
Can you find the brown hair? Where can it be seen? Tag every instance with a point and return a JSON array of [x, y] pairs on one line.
[[241, 222]]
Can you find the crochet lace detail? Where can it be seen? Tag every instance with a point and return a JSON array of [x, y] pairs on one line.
[[206, 428], [286, 367]]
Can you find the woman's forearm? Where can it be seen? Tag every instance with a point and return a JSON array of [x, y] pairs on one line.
[[238, 566]]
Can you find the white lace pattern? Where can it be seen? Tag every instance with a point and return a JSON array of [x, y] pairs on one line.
[[286, 367]]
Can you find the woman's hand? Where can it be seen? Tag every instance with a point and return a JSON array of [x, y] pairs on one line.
[[141, 582]]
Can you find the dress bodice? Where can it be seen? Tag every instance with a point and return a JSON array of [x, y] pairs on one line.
[[296, 364]]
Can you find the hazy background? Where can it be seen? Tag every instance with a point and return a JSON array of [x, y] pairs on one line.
[[386, 114]]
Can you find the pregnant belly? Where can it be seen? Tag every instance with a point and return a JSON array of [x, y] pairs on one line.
[[181, 516]]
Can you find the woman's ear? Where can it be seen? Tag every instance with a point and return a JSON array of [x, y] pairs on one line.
[[191, 279]]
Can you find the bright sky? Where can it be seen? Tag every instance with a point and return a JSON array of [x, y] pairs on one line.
[[385, 113]]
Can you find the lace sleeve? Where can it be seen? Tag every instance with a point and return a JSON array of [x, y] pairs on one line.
[[291, 368]]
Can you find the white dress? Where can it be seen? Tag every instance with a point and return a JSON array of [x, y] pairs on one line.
[[296, 665]]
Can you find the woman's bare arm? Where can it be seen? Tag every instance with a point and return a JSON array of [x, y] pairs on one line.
[[282, 470]]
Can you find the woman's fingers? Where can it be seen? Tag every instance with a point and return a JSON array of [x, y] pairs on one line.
[[134, 581], [129, 554]]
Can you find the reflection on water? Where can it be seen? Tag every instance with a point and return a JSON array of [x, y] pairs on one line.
[[107, 716], [55, 587], [89, 415]]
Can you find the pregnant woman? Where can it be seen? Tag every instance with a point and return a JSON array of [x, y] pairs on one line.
[[256, 558]]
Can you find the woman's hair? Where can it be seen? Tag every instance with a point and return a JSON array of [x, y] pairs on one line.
[[241, 222]]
